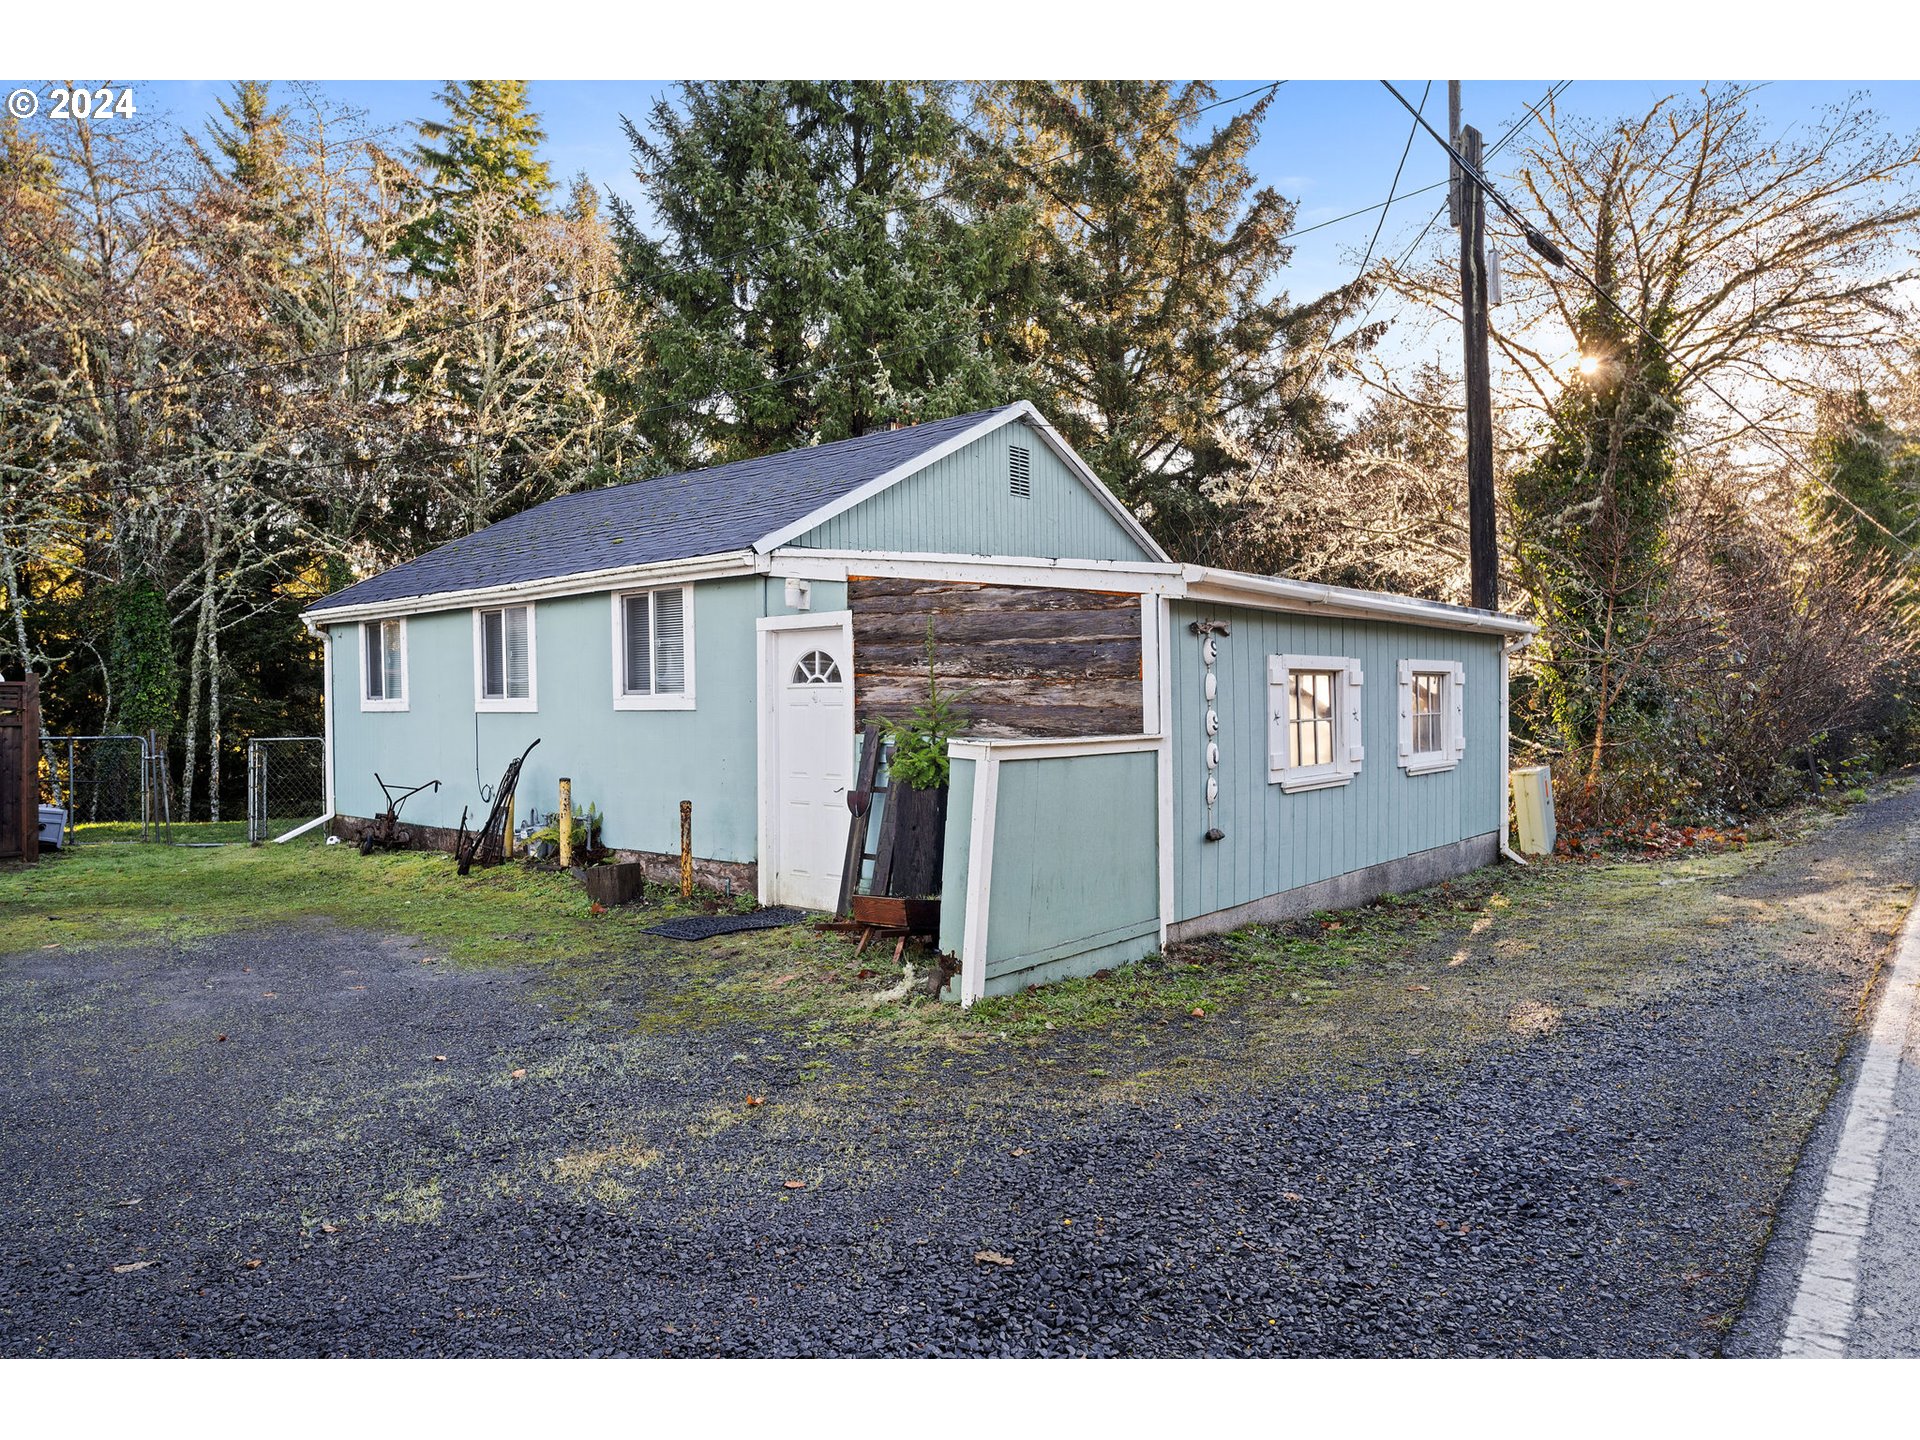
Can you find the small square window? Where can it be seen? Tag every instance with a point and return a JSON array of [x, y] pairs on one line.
[[1431, 725], [1314, 730]]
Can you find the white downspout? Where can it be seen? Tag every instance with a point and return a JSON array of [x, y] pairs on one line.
[[1508, 649]]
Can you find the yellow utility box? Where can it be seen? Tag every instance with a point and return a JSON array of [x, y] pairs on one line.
[[1533, 810]]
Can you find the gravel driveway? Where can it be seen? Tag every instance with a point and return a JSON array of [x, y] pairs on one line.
[[319, 1141]]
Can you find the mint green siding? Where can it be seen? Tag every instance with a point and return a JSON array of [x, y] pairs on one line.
[[1275, 841], [963, 505], [955, 859], [1073, 880], [636, 765]]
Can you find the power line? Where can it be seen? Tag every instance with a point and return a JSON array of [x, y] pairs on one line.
[[1547, 250]]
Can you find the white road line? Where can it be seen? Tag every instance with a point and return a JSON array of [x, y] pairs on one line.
[[1821, 1321]]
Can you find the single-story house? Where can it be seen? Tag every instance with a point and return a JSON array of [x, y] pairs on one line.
[[1153, 751]]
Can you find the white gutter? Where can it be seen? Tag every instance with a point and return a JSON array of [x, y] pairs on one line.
[[1231, 587], [585, 582], [1130, 576]]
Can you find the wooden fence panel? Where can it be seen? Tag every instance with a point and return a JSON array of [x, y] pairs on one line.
[[20, 769]]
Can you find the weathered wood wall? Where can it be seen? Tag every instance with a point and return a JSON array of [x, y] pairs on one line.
[[1021, 660], [20, 769]]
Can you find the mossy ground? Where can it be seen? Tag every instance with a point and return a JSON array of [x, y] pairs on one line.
[[1416, 981]]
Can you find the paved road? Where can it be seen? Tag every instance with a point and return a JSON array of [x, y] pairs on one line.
[[1845, 1264]]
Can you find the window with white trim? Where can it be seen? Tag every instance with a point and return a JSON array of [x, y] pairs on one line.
[[503, 656], [1313, 720], [653, 649], [383, 665], [1432, 715]]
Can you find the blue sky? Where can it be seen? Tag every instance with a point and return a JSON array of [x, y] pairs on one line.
[[1330, 145]]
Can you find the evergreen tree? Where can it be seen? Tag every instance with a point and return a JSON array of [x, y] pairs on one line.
[[1590, 513], [806, 283], [487, 147], [1874, 468], [1145, 306]]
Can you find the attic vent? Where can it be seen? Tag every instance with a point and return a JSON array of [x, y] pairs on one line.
[[1019, 471]]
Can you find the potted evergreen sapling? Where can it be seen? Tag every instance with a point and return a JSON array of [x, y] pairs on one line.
[[914, 829]]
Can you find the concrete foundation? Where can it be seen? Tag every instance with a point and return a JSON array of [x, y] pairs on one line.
[[1356, 887], [729, 877]]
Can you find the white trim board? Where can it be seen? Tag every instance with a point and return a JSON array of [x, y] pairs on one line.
[[1271, 592], [1113, 576], [765, 701], [586, 582]]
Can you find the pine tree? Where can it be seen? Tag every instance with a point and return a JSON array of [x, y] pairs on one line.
[[487, 147], [1872, 475], [1146, 305], [807, 284]]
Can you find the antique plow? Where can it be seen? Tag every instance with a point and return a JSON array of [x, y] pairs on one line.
[[385, 833]]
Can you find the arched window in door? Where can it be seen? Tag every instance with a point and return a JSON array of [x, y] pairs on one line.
[[816, 667]]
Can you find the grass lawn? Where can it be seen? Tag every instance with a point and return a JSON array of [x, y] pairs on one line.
[[1434, 974], [197, 832]]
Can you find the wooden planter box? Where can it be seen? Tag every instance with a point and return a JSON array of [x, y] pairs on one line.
[[915, 915], [615, 884]]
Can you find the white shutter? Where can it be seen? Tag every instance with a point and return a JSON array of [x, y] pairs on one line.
[[1356, 752], [669, 642], [1406, 711], [519, 675], [1276, 717], [1456, 693]]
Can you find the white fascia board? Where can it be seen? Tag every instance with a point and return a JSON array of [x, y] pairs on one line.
[[1230, 587], [1068, 456], [1054, 748], [774, 539], [585, 582], [1131, 576]]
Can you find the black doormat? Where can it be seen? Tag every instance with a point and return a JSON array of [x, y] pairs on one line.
[[705, 927]]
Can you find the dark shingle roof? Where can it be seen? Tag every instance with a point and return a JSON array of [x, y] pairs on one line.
[[697, 512]]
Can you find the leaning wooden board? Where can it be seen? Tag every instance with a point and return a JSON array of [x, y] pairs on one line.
[[1019, 659]]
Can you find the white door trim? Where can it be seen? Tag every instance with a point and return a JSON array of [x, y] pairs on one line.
[[766, 701]]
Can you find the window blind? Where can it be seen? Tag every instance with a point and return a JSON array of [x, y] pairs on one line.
[[669, 642], [393, 683], [518, 673], [492, 654], [370, 642], [638, 622]]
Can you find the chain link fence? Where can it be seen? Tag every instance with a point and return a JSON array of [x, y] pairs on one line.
[[102, 781], [286, 784]]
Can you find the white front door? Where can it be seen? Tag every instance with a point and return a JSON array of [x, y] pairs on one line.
[[810, 682]]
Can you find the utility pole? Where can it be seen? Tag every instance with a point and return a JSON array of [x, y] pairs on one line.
[[1482, 550], [1453, 165]]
